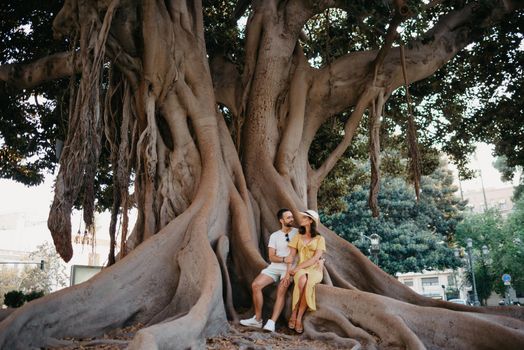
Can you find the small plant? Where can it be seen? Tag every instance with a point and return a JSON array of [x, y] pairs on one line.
[[17, 298], [14, 298], [35, 294]]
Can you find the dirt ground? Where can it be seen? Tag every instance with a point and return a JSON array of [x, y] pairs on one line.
[[238, 337]]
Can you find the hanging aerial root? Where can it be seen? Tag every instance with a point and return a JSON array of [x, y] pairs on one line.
[[413, 151], [374, 153], [82, 147]]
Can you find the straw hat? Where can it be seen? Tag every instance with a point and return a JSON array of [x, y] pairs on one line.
[[313, 215]]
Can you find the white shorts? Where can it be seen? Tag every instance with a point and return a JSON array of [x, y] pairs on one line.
[[275, 271]]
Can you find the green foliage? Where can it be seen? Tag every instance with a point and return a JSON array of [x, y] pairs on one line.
[[34, 295], [28, 131], [413, 235], [503, 237], [223, 35], [508, 173], [17, 298], [489, 72], [33, 280], [14, 298]]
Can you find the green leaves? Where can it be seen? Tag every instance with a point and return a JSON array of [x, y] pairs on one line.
[[413, 235], [503, 237], [30, 121]]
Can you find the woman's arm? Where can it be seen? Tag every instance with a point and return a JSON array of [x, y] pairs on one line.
[[311, 261]]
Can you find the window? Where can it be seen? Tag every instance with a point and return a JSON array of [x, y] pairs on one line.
[[408, 283], [430, 281]]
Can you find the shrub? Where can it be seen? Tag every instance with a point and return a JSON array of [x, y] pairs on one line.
[[17, 298], [34, 295], [14, 298]]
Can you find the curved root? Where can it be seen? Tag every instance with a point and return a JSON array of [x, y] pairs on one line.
[[373, 321], [200, 290], [221, 251]]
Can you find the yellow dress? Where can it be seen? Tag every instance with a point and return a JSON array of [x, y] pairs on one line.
[[314, 273]]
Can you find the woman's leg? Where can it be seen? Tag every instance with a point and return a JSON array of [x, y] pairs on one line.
[[302, 303], [294, 311]]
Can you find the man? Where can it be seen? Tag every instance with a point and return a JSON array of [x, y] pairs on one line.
[[278, 270]]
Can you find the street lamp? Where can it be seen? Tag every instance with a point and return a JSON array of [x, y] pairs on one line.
[[469, 246], [375, 245]]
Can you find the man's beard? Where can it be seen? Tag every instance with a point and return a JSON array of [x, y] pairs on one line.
[[302, 230], [290, 224]]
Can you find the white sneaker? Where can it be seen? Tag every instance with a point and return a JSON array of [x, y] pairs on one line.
[[251, 322], [270, 325]]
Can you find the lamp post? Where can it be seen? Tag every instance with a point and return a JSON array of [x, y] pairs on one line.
[[469, 246], [375, 245]]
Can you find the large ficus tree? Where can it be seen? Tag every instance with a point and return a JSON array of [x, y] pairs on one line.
[[215, 142]]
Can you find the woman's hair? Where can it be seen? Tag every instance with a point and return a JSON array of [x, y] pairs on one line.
[[312, 228]]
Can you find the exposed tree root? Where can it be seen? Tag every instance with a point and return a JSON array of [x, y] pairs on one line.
[[380, 322], [148, 276], [199, 296], [222, 251]]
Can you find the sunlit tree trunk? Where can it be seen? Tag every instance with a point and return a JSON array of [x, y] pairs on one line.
[[206, 202]]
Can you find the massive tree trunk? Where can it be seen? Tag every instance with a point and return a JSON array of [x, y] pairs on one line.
[[206, 202]]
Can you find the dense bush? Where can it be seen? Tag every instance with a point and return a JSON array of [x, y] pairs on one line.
[[16, 298]]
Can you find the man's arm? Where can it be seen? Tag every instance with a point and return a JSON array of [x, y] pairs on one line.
[[291, 257], [289, 262], [311, 261], [273, 256]]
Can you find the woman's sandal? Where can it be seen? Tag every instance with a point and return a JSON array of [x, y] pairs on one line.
[[291, 323], [299, 329]]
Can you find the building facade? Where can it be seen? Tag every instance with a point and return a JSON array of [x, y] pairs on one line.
[[442, 285], [499, 198]]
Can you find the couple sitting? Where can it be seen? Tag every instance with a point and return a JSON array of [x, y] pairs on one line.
[[284, 245]]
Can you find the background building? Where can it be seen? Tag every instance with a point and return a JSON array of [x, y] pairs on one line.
[[21, 233], [434, 284], [499, 198]]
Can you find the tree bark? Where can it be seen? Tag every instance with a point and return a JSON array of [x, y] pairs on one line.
[[206, 203]]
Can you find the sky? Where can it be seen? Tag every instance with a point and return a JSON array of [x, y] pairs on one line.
[[490, 176]]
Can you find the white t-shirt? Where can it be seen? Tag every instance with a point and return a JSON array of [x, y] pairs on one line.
[[278, 241]]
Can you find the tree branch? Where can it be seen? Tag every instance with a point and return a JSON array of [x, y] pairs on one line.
[[349, 130], [28, 75], [336, 87]]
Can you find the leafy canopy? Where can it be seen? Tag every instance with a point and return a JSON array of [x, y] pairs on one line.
[[504, 238], [414, 236], [489, 72]]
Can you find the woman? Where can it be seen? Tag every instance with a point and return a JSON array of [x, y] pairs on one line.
[[310, 246]]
